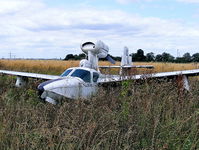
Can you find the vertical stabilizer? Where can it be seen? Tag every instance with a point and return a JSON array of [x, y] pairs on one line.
[[126, 61], [126, 58]]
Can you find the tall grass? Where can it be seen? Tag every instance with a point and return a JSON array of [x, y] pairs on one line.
[[133, 116], [57, 67], [40, 66], [166, 67], [141, 117]]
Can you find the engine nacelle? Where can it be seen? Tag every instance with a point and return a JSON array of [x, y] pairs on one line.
[[99, 48]]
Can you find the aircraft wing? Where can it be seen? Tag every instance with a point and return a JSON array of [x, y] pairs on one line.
[[117, 78], [194, 72], [29, 75], [129, 66]]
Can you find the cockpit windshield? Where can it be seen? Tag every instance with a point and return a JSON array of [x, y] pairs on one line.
[[83, 74], [65, 73]]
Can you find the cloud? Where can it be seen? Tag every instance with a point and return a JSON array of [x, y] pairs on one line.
[[14, 6], [30, 29], [126, 1], [130, 1], [189, 1]]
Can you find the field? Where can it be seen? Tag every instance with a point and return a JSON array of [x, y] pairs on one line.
[[57, 67], [134, 116]]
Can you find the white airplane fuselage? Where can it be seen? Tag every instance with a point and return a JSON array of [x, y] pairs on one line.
[[82, 82], [74, 83], [77, 82]]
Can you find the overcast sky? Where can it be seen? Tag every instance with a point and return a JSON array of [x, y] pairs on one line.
[[54, 28]]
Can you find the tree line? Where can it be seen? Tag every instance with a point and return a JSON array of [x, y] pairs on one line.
[[139, 56], [83, 56]]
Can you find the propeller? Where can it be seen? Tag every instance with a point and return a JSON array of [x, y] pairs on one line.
[[110, 59]]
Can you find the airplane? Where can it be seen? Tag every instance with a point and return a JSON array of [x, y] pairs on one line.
[[83, 81]]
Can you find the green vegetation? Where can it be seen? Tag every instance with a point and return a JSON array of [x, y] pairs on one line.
[[83, 56], [147, 116], [139, 56]]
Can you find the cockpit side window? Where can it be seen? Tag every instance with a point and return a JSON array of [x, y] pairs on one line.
[[65, 73], [83, 74], [95, 76]]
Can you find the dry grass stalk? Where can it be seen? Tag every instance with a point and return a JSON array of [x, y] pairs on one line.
[[57, 67]]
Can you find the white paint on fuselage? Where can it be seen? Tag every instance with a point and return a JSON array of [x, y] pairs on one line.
[[72, 87]]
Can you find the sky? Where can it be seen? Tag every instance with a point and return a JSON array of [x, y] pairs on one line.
[[55, 28]]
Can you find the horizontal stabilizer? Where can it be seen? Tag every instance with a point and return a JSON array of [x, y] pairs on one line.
[[133, 66]]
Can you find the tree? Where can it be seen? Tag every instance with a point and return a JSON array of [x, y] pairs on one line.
[[179, 60], [158, 58], [187, 57], [69, 57], [150, 56], [82, 56], [166, 57], [133, 56], [195, 57], [75, 57], [117, 58], [139, 56]]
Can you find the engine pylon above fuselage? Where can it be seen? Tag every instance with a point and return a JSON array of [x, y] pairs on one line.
[[95, 51]]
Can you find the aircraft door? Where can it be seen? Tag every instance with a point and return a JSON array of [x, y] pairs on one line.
[[90, 88]]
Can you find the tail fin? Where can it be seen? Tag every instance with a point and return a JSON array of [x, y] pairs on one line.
[[126, 58], [126, 61]]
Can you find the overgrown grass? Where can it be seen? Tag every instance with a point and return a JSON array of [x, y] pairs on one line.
[[56, 67], [141, 117]]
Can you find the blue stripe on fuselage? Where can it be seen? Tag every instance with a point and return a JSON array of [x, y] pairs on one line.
[[41, 86]]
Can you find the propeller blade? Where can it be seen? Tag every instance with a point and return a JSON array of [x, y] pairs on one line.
[[111, 60]]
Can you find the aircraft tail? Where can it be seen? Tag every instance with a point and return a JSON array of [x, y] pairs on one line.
[[126, 65], [126, 58], [126, 61]]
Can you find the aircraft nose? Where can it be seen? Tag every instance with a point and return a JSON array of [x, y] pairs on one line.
[[42, 85], [40, 90]]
